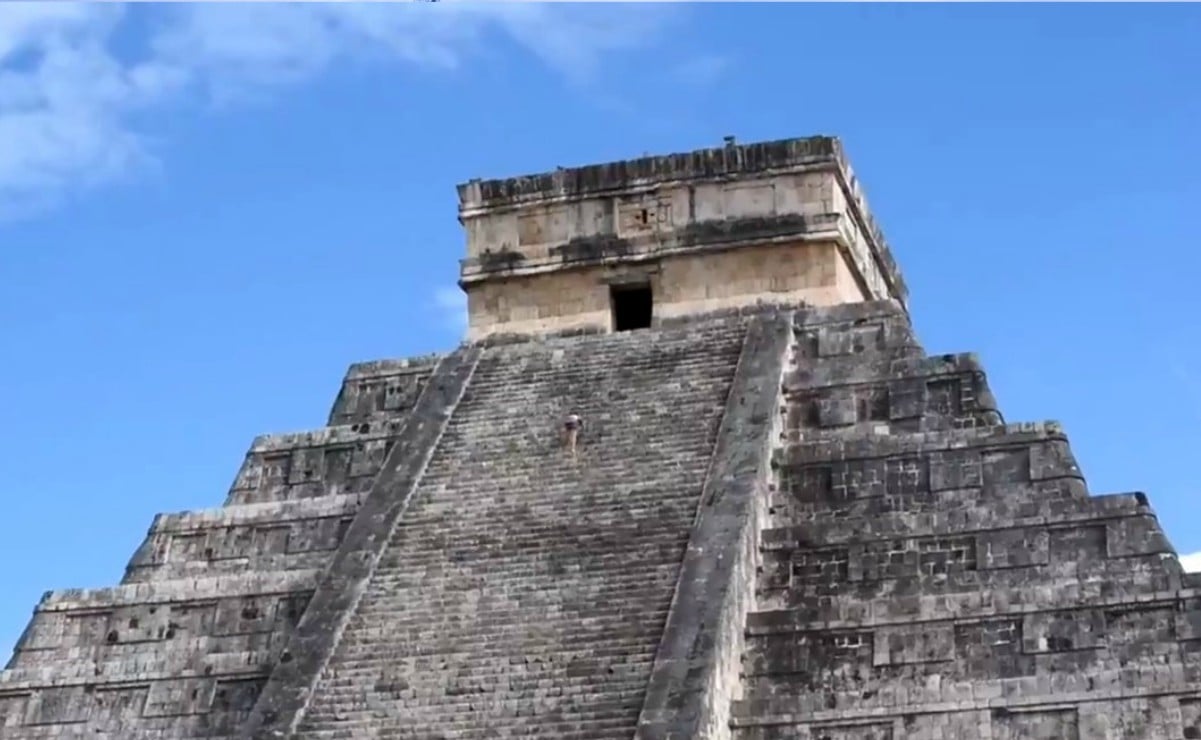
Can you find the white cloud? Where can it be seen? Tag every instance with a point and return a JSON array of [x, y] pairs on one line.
[[59, 93], [451, 305], [701, 71], [1191, 562], [67, 89]]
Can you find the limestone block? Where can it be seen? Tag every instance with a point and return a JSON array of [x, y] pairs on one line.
[[1139, 535]]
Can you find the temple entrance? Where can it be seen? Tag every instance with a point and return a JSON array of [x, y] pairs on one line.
[[632, 306]]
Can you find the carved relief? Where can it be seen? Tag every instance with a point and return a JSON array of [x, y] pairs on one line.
[[643, 216], [876, 731], [12, 709], [1057, 724], [531, 229], [175, 698], [747, 201]]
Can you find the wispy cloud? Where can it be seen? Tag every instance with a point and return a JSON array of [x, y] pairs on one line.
[[701, 71], [1191, 562], [451, 305], [69, 84]]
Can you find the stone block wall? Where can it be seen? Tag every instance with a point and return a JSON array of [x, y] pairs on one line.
[[814, 273], [786, 218], [183, 648], [928, 571]]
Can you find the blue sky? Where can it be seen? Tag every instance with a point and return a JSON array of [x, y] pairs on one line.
[[208, 211]]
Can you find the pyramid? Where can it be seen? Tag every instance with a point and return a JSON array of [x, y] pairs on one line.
[[783, 520]]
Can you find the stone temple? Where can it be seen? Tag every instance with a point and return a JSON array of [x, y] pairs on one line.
[[784, 520]]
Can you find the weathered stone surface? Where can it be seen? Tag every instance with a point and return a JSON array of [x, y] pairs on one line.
[[524, 589], [785, 522], [183, 649], [933, 573], [338, 594], [707, 230], [696, 665]]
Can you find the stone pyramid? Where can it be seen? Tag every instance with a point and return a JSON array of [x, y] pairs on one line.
[[783, 520]]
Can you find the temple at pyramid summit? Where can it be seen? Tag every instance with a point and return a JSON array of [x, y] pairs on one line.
[[777, 518]]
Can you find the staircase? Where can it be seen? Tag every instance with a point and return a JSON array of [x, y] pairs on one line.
[[524, 591]]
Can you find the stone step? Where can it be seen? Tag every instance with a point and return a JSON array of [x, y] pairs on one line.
[[525, 581], [841, 314], [637, 510], [175, 728], [381, 388], [512, 550], [1031, 588], [1159, 571], [218, 666], [1074, 641], [854, 330], [619, 720], [271, 512], [1184, 605], [210, 726], [422, 637], [189, 707], [331, 461], [157, 656], [886, 396], [852, 371], [308, 560], [418, 686], [998, 437], [809, 560], [955, 563], [342, 458], [1007, 507], [900, 472], [287, 535], [1055, 691], [457, 699], [185, 591], [161, 612]]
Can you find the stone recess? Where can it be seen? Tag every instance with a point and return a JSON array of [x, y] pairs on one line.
[[785, 522]]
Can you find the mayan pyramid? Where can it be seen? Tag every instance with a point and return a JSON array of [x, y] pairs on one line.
[[783, 521]]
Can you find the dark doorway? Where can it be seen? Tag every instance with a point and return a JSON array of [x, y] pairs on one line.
[[632, 306]]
